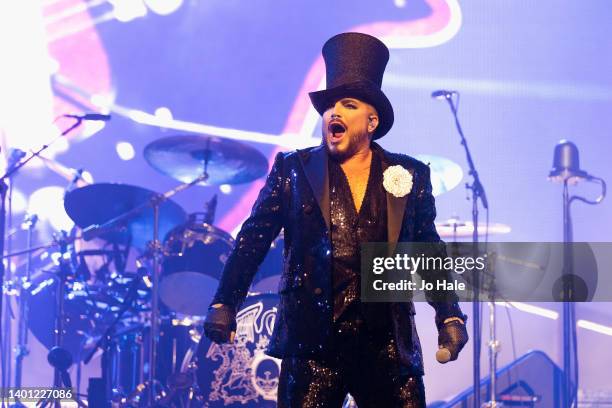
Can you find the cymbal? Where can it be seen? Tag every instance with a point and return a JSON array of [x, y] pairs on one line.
[[445, 173], [101, 202], [185, 157], [454, 228]]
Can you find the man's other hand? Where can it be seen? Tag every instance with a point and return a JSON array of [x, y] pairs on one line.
[[453, 336]]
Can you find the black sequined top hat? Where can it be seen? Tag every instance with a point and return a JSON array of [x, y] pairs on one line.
[[354, 65]]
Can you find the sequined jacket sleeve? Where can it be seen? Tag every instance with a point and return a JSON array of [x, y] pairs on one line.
[[445, 304], [253, 240]]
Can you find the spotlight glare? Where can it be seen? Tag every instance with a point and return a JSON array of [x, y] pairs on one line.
[[87, 176], [60, 146], [125, 150], [536, 310], [164, 7], [598, 328], [54, 66], [128, 10], [139, 116], [164, 114], [56, 256], [225, 188], [103, 102], [48, 204], [90, 128], [19, 202]]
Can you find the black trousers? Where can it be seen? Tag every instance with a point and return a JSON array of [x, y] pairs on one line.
[[362, 362]]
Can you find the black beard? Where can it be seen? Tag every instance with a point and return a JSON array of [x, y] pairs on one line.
[[341, 157]]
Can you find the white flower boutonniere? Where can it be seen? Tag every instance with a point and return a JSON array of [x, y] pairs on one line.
[[397, 181]]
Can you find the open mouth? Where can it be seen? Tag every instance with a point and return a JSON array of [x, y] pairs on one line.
[[337, 130]]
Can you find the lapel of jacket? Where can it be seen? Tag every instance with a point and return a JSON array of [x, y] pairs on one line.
[[396, 206], [314, 163]]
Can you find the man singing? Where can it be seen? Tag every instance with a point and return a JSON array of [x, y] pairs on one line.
[[329, 200]]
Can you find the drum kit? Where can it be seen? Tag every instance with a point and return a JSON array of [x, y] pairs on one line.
[[130, 247], [100, 296]]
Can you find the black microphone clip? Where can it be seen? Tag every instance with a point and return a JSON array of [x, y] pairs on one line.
[[90, 116], [78, 175], [443, 94]]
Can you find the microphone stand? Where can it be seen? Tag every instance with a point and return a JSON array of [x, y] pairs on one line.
[[570, 391], [569, 322], [478, 192], [104, 342], [14, 155], [3, 195], [24, 304]]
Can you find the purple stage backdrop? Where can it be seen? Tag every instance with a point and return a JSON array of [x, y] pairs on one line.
[[529, 74]]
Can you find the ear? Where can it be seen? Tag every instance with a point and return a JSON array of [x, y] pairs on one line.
[[372, 123]]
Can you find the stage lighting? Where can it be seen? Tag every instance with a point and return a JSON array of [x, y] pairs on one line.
[[598, 328], [164, 7], [225, 188], [19, 202], [48, 204], [127, 10], [125, 150], [164, 115]]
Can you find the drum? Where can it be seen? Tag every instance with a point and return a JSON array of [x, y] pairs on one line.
[[178, 339], [98, 260], [194, 256], [125, 358], [240, 374], [128, 351], [89, 308]]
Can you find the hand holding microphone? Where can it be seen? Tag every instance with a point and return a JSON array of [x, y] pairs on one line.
[[452, 337]]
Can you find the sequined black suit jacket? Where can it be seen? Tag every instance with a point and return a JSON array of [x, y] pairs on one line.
[[296, 198]]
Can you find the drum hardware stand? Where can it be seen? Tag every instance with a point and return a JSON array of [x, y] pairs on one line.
[[210, 208], [13, 158], [61, 360], [31, 250], [494, 347], [184, 380], [181, 382], [104, 341], [79, 367], [21, 351], [478, 192], [58, 357], [4, 189], [96, 230], [494, 344], [59, 317]]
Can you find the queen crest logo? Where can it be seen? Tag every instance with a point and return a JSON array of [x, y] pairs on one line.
[[242, 374]]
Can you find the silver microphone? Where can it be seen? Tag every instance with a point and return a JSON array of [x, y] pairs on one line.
[[443, 355]]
